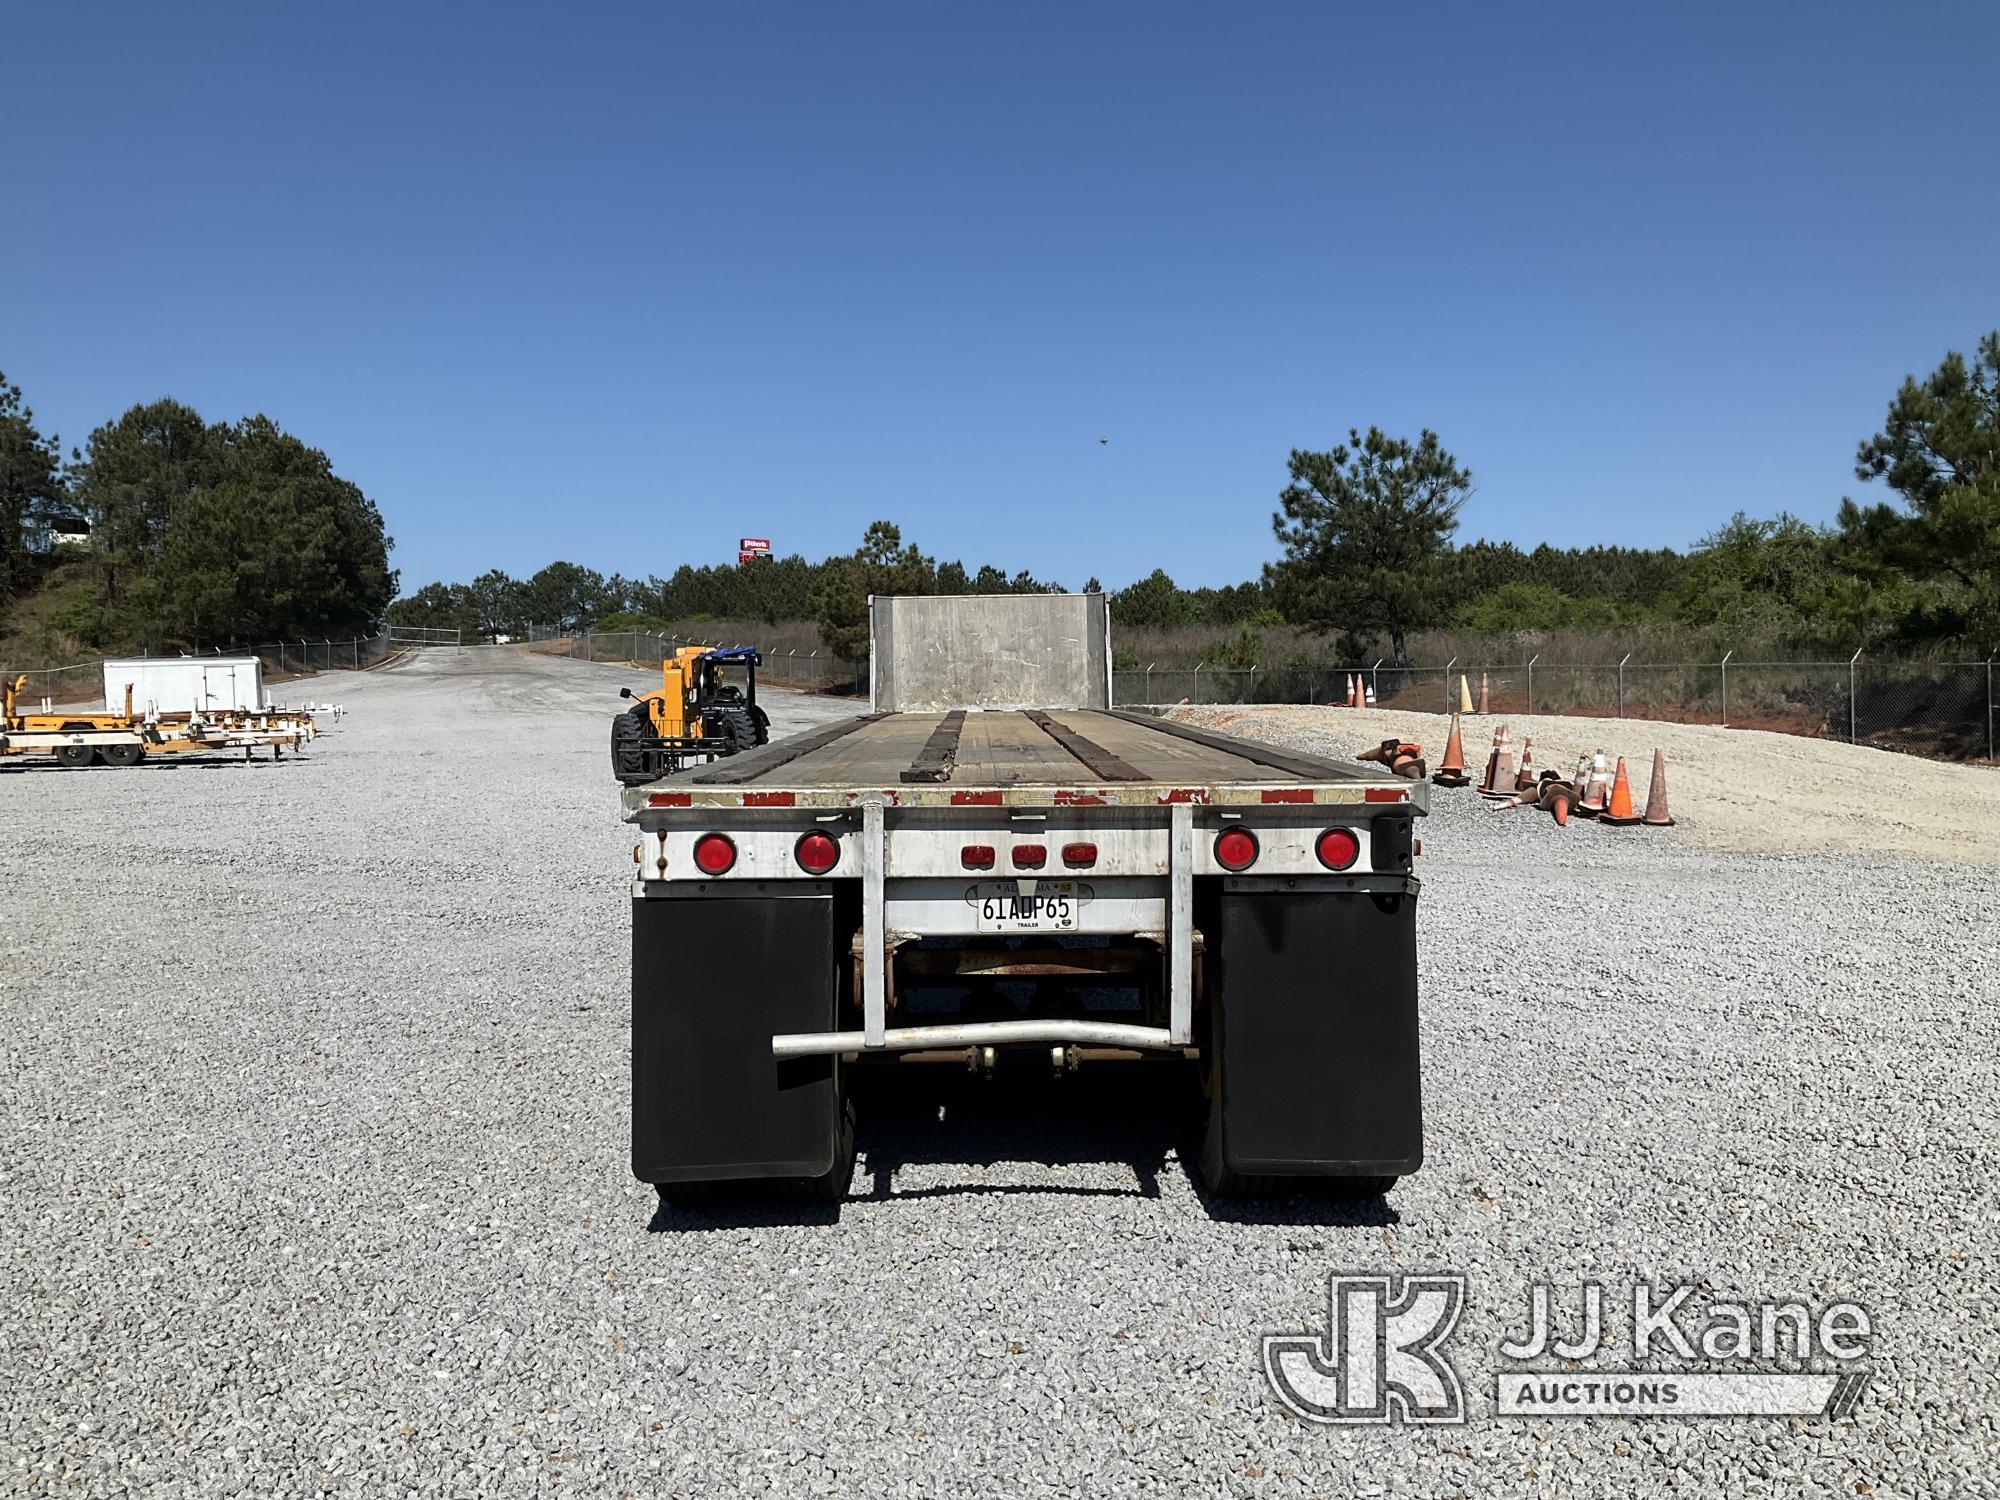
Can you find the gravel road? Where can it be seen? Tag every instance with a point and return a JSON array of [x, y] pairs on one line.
[[313, 1144]]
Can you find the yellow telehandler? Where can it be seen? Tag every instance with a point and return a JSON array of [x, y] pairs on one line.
[[706, 707]]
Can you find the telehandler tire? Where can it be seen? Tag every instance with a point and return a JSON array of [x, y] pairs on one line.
[[739, 729], [628, 753]]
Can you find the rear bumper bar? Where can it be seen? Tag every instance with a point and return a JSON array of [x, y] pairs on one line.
[[977, 1034]]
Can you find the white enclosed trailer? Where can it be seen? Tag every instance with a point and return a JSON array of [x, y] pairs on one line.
[[186, 684]]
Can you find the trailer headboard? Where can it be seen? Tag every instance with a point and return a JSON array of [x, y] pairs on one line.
[[943, 651]]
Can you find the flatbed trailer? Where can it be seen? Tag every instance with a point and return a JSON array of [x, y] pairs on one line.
[[1076, 883]]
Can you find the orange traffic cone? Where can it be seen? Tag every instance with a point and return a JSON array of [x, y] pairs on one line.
[[1525, 778], [1502, 782], [1557, 796], [1595, 787], [1354, 693], [1620, 811], [1656, 796], [1408, 761], [1451, 770], [1384, 752], [1368, 692], [1482, 693], [1492, 764]]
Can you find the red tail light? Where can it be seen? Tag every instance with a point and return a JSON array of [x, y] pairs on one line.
[[816, 853], [1079, 854], [714, 853], [1235, 848], [1031, 856], [976, 856], [1338, 848]]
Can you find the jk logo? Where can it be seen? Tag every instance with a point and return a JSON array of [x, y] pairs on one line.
[[1379, 1360]]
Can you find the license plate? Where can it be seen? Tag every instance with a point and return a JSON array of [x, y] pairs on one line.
[[999, 906]]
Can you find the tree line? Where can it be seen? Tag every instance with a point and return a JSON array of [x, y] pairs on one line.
[[833, 593], [203, 533], [198, 533]]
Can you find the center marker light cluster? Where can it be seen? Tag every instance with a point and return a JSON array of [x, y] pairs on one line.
[[1026, 856]]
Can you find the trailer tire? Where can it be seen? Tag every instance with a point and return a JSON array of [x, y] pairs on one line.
[[76, 757], [123, 755]]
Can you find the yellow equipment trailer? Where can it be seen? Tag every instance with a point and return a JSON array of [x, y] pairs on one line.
[[121, 737]]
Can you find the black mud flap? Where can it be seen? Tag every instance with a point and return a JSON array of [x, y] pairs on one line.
[[713, 979], [1317, 1044]]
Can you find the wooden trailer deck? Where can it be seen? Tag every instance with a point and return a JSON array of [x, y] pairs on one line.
[[1070, 755]]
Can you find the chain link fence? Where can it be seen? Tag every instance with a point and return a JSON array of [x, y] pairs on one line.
[[81, 684], [808, 671], [1942, 709]]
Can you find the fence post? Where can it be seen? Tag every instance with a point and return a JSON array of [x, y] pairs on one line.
[[1447, 683], [1725, 685], [1850, 695], [1149, 684], [1621, 683], [281, 659], [1194, 695], [1989, 708], [1531, 680]]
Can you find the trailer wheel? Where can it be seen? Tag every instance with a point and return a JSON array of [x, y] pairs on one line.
[[123, 755], [76, 757]]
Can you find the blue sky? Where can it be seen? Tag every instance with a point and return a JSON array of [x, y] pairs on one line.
[[619, 284]]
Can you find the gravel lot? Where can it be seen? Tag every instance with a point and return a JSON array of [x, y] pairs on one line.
[[315, 1160], [1743, 791]]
